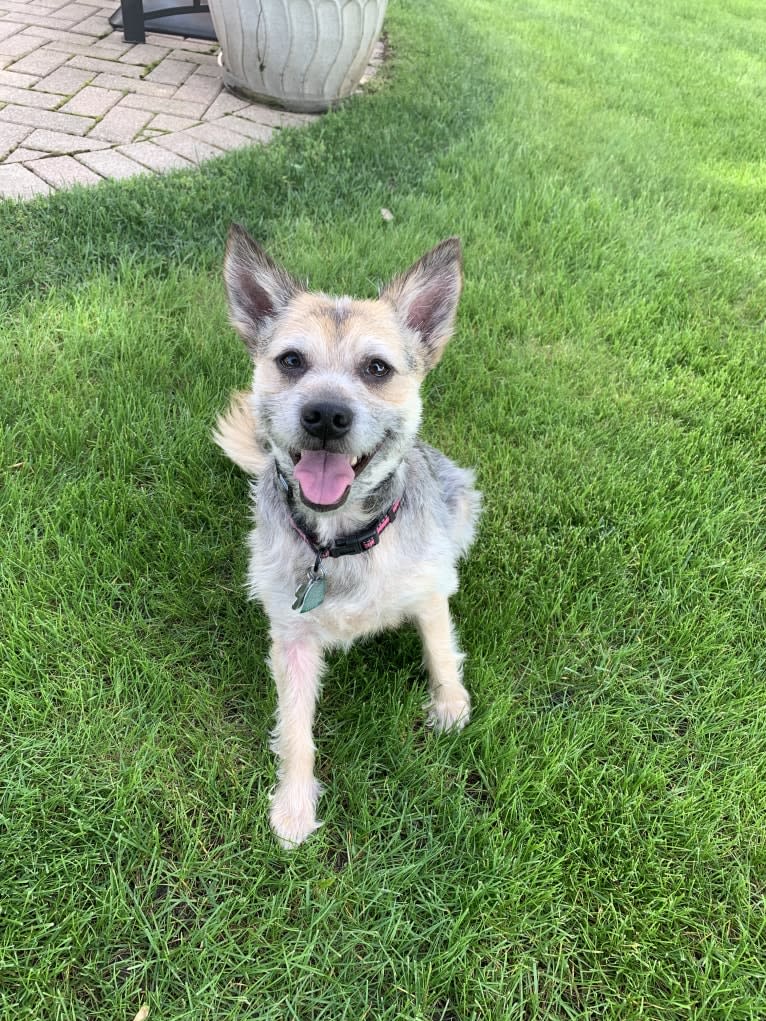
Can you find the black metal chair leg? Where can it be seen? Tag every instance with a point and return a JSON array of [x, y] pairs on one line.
[[167, 17], [133, 21]]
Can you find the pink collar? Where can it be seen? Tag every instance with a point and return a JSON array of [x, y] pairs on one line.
[[345, 545]]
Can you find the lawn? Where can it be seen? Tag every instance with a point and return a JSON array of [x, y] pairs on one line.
[[594, 844]]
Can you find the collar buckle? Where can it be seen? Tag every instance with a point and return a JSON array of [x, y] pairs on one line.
[[349, 545]]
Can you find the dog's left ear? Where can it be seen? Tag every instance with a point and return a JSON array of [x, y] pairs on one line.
[[257, 287], [426, 297]]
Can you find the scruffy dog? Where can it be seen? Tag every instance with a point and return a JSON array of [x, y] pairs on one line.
[[359, 525]]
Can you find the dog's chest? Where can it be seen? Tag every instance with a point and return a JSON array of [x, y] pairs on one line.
[[364, 593], [369, 596]]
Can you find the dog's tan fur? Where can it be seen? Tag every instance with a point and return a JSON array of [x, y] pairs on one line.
[[236, 433], [412, 572]]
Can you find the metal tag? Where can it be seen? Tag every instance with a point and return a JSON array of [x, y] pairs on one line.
[[310, 594]]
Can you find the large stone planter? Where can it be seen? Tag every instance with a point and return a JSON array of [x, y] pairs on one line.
[[299, 54]]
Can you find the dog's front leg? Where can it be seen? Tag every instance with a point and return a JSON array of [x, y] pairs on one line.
[[449, 707], [297, 666]]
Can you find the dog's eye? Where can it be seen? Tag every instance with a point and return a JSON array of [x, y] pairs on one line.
[[377, 368], [291, 361]]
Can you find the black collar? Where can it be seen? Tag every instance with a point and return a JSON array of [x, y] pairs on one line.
[[344, 545]]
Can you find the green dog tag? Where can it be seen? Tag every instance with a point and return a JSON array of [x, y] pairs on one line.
[[310, 594]]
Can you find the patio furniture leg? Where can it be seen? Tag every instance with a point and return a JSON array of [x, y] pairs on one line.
[[133, 21]]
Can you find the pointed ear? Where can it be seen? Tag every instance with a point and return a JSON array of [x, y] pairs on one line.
[[257, 287], [426, 297]]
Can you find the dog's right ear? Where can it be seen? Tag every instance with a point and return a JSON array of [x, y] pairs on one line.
[[257, 287]]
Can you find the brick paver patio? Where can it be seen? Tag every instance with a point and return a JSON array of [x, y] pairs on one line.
[[78, 104]]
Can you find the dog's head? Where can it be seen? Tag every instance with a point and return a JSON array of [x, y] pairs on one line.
[[337, 380]]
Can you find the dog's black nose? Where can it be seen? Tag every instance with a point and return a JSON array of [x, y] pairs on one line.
[[327, 421]]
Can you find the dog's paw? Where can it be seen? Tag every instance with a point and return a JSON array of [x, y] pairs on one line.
[[450, 713], [293, 814]]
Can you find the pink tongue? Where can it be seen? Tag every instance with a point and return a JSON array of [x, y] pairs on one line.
[[323, 476]]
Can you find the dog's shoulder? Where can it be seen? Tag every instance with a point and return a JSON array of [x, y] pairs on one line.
[[447, 491]]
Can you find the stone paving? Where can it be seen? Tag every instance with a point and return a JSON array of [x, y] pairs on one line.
[[78, 104]]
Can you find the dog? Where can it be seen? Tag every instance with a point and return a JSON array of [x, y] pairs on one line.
[[359, 525]]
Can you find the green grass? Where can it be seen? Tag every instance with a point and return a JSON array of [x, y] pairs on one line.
[[594, 844]]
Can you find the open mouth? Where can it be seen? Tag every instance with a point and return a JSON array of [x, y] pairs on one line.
[[325, 478]]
